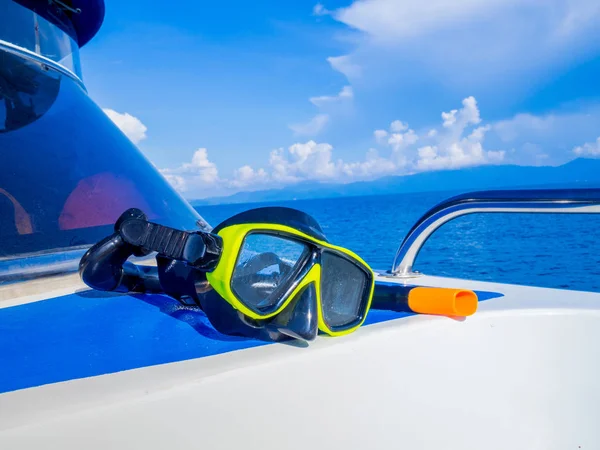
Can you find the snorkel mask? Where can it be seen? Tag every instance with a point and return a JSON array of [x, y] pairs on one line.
[[267, 273]]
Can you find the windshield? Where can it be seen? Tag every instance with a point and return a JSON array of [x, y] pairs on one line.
[[40, 33], [66, 171]]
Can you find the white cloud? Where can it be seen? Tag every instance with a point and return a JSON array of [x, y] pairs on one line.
[[177, 181], [460, 139], [501, 49], [131, 126], [399, 141], [398, 126], [578, 15], [395, 137], [497, 156], [465, 152], [344, 65], [553, 135], [200, 177], [314, 161], [194, 175], [329, 103], [246, 176], [391, 19], [345, 94], [456, 144], [374, 166], [311, 128], [201, 167], [302, 161], [308, 161], [449, 118], [492, 46], [588, 149], [320, 10], [512, 129], [467, 115], [399, 138], [380, 136]]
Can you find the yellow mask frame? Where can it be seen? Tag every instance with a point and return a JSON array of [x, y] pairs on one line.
[[233, 237]]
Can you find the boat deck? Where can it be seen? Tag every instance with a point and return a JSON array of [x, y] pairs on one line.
[[526, 360]]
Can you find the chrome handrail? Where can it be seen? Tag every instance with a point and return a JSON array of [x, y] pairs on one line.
[[58, 262], [40, 59], [520, 201], [25, 267]]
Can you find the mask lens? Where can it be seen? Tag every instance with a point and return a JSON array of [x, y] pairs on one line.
[[343, 286], [265, 268]]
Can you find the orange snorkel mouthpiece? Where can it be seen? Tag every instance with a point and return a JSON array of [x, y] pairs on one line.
[[443, 301]]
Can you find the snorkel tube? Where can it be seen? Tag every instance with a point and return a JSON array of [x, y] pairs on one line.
[[182, 261], [426, 300], [104, 266]]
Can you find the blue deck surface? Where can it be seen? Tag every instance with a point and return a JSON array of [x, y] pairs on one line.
[[91, 333]]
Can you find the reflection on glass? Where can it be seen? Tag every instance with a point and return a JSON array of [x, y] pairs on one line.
[[47, 32], [266, 263], [342, 290], [66, 171], [26, 91]]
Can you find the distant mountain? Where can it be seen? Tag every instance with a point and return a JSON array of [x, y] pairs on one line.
[[577, 173]]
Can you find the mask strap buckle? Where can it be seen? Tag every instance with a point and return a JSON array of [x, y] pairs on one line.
[[197, 249], [182, 259]]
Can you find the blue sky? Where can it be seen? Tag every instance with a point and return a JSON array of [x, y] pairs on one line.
[[229, 96]]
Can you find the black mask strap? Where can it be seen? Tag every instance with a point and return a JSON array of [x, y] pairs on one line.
[[182, 256]]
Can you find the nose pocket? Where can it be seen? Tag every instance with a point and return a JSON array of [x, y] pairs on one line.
[[299, 319]]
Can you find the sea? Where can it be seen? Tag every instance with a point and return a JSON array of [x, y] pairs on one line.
[[547, 250]]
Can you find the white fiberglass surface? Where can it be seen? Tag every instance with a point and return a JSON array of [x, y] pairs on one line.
[[499, 380]]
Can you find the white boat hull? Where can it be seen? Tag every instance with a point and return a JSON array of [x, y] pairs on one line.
[[521, 374]]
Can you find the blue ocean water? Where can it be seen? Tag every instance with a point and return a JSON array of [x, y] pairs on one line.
[[549, 250]]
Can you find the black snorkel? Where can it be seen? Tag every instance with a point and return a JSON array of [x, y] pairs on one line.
[[182, 260]]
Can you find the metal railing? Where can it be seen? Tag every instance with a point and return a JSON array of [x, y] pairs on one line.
[[25, 267], [571, 201], [41, 60], [62, 262]]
